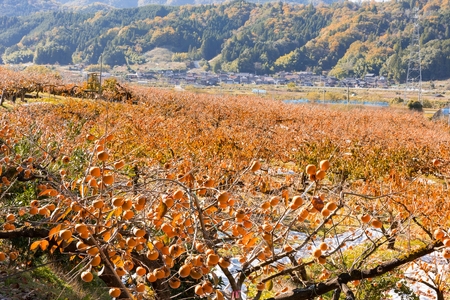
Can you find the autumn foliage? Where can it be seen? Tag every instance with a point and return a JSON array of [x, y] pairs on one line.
[[180, 189]]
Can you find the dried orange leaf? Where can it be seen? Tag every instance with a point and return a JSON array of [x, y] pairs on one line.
[[118, 211], [83, 190], [212, 210], [48, 192], [68, 210], [269, 285], [43, 244], [252, 242], [110, 215], [55, 230], [150, 246], [162, 210], [117, 261], [247, 237], [52, 249], [35, 245], [176, 217], [107, 236]]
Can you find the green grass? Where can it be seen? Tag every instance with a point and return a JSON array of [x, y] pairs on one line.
[[47, 283]]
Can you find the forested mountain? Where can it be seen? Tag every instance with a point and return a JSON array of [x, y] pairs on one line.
[[26, 7], [346, 38]]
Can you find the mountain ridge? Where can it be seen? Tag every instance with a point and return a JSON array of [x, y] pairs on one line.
[[345, 39], [27, 7]]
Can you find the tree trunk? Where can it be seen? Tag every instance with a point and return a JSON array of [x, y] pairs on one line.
[[160, 286], [348, 292], [336, 294], [3, 97], [391, 237], [299, 277], [440, 294]]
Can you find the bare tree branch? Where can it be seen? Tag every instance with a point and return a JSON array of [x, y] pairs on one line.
[[336, 294], [348, 292], [315, 290], [31, 232]]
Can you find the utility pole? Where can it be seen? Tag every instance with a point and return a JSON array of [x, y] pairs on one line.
[[101, 71], [348, 95], [324, 94], [323, 88], [414, 75]]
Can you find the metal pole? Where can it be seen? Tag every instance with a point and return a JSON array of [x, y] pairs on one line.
[[324, 81], [348, 95], [101, 71]]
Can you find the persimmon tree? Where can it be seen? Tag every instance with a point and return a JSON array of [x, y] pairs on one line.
[[432, 275], [159, 206]]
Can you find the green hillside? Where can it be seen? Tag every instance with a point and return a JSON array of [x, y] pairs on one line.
[[345, 38]]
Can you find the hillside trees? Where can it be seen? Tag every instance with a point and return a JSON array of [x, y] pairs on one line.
[[17, 56], [434, 59], [114, 57], [294, 60], [53, 54], [317, 38], [210, 46], [275, 32], [362, 58], [394, 68]]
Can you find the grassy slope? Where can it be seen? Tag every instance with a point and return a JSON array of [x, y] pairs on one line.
[[46, 283]]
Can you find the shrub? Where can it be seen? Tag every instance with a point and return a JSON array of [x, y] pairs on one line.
[[415, 105], [396, 100]]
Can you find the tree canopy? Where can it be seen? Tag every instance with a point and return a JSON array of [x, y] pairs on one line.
[[185, 195]]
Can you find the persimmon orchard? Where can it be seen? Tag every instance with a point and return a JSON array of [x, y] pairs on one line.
[[184, 195]]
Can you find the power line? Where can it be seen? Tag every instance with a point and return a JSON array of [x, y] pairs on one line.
[[414, 75]]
